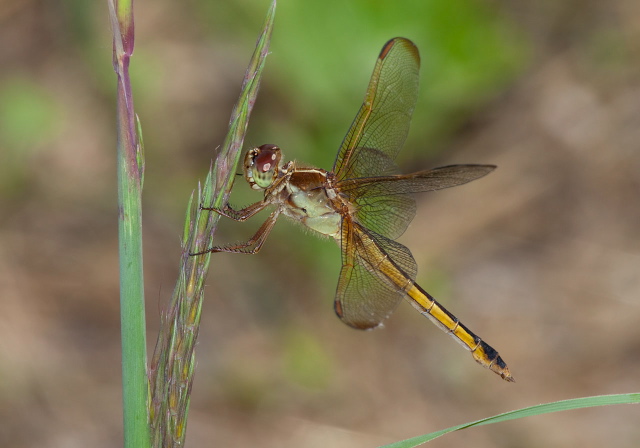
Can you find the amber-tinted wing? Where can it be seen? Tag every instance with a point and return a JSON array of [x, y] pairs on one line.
[[364, 296], [381, 126], [383, 203]]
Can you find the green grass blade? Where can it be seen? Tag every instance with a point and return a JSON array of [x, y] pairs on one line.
[[557, 406], [173, 364], [135, 389]]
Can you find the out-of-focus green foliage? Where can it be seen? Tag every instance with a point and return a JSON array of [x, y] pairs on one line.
[[28, 114], [29, 117]]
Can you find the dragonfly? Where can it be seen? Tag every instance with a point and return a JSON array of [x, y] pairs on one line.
[[365, 205]]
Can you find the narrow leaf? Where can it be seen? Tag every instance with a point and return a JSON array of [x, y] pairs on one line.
[[557, 406]]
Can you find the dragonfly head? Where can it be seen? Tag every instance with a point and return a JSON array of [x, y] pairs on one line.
[[262, 166]]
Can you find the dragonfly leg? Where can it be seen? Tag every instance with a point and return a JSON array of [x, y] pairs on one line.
[[238, 215], [253, 245]]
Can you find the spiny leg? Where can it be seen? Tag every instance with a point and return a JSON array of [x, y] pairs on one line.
[[238, 215], [256, 240]]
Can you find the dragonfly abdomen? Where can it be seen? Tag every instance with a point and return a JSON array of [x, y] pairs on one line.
[[426, 305], [482, 352]]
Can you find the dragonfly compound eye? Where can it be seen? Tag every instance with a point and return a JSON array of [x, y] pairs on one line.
[[262, 165]]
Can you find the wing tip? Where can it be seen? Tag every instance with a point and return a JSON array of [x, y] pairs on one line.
[[358, 325], [400, 41]]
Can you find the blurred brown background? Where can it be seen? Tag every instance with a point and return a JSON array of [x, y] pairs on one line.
[[541, 258]]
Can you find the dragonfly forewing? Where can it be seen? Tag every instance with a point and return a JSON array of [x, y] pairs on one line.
[[384, 203], [382, 123], [421, 181]]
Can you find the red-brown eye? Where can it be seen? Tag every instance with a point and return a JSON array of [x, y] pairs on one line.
[[262, 165], [267, 158]]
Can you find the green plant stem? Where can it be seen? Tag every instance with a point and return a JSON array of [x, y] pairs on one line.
[[130, 172]]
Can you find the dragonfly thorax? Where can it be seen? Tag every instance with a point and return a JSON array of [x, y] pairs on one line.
[[262, 166]]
